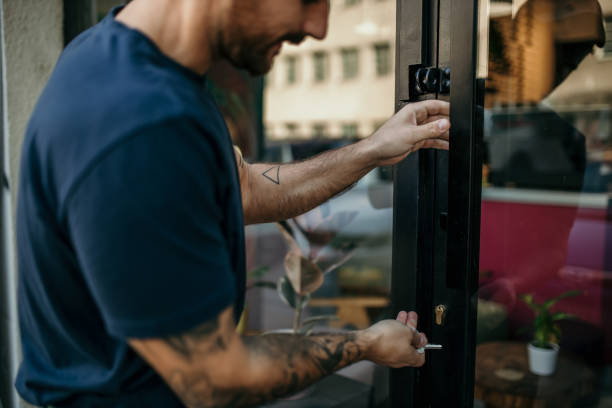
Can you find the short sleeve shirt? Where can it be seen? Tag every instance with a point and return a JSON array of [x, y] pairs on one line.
[[129, 220]]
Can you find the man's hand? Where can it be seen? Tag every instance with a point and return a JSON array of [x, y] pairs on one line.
[[417, 125], [394, 342]]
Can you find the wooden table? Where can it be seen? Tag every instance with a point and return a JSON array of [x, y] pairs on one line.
[[351, 310], [503, 379]]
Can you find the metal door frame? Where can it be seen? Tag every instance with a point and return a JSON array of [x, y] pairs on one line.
[[431, 215]]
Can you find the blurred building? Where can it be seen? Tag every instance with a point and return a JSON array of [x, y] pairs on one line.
[[340, 87], [549, 45]]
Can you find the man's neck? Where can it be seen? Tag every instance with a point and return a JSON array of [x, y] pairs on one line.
[[184, 30]]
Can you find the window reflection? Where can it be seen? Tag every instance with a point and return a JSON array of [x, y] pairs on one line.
[[546, 227]]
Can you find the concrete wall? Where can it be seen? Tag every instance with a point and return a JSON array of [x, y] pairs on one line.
[[32, 40]]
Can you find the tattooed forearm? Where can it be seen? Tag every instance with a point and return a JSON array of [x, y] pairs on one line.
[[272, 174], [213, 366], [324, 352], [286, 364], [205, 336]]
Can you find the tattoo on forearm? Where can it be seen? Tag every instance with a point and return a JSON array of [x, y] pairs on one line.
[[272, 174], [207, 335], [326, 351], [301, 359]]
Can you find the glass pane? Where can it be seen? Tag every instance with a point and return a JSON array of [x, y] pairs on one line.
[[351, 234], [545, 285]]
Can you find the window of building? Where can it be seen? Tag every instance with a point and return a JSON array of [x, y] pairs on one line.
[[319, 130], [383, 59], [291, 65], [607, 49], [349, 3], [349, 130], [350, 63], [291, 129], [320, 66]]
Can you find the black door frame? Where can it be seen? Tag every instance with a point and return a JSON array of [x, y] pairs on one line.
[[436, 223]]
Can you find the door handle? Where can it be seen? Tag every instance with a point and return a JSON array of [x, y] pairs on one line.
[[428, 80]]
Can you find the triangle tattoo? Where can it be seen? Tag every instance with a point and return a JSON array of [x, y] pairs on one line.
[[272, 174]]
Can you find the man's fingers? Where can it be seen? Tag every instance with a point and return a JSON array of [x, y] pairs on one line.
[[413, 319], [424, 109], [434, 144], [418, 341], [402, 317], [433, 130], [433, 119]]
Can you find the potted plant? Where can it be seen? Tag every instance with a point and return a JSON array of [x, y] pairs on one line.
[[314, 251], [544, 348]]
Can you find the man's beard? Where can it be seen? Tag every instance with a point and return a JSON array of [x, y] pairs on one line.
[[254, 58]]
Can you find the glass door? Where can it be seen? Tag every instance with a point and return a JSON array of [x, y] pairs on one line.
[[544, 330], [505, 242]]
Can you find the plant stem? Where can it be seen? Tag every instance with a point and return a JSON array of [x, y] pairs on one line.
[[298, 314]]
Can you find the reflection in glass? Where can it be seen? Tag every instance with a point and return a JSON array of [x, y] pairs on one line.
[[546, 229], [350, 236]]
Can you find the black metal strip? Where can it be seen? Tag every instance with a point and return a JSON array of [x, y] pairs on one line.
[[464, 188], [404, 277], [414, 178]]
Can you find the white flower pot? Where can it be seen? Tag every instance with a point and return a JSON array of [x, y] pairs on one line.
[[542, 361]]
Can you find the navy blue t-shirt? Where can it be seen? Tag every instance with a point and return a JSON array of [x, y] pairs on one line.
[[129, 220]]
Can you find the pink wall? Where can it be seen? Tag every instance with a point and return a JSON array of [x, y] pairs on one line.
[[545, 250]]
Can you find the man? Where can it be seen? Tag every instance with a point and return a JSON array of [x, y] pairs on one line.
[[131, 208]]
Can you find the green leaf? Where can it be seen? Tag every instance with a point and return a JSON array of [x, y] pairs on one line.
[[560, 316], [262, 284], [257, 272], [552, 301], [304, 300], [306, 328], [555, 334], [529, 301], [286, 292]]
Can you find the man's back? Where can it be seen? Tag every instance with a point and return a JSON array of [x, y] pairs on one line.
[[124, 146]]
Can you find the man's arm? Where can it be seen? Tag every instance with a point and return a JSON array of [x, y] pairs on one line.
[[273, 192], [213, 366]]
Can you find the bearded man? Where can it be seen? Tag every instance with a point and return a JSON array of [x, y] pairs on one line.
[[132, 207]]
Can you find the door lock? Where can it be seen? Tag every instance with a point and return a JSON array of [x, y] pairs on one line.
[[440, 311]]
